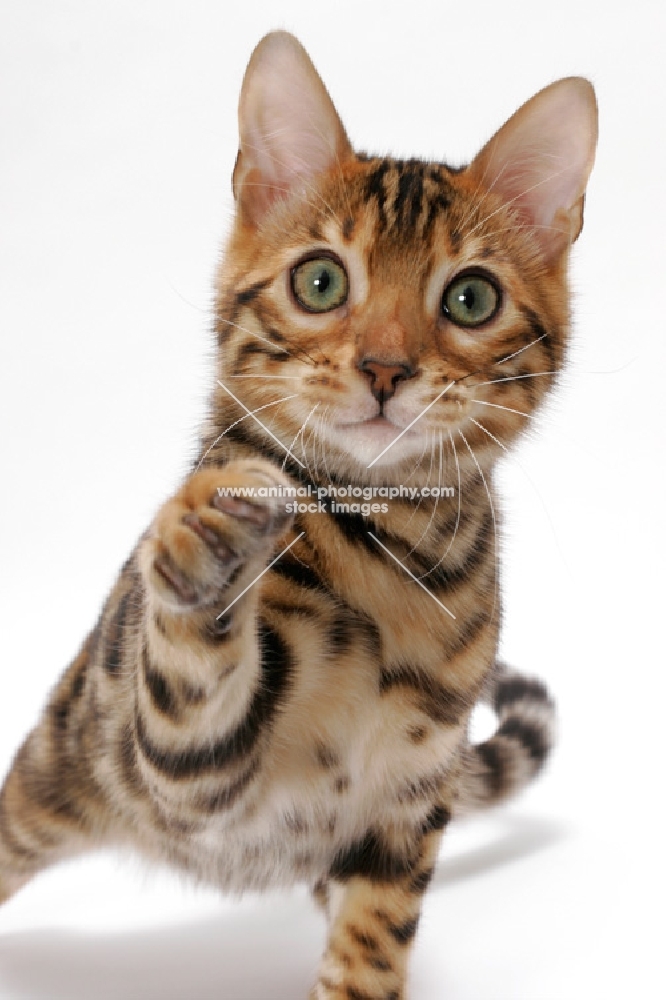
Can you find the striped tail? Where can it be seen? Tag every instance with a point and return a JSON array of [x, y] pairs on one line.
[[515, 753]]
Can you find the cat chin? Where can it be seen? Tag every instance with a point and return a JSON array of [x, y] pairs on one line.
[[367, 439]]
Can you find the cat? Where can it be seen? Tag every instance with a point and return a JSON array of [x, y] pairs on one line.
[[279, 685]]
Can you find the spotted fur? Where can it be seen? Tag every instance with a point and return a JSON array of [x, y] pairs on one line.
[[269, 698]]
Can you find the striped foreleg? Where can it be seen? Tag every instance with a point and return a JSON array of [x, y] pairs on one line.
[[211, 669], [373, 898]]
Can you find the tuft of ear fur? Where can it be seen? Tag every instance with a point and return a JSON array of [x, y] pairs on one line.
[[540, 160], [289, 128]]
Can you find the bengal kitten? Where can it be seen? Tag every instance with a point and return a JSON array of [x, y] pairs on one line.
[[266, 698]]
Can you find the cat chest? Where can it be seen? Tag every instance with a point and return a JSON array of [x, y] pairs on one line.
[[312, 800], [360, 740]]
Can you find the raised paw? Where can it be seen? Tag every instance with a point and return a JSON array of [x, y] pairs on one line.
[[220, 527]]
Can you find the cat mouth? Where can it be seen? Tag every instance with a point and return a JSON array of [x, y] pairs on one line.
[[378, 428], [379, 423]]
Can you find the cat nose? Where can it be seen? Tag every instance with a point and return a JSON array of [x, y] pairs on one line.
[[384, 376]]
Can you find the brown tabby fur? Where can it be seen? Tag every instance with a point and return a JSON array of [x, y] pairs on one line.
[[317, 731]]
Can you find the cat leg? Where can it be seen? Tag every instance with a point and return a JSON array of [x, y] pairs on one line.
[[109, 759], [373, 900], [50, 805], [211, 667]]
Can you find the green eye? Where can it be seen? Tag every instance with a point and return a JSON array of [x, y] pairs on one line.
[[470, 300], [319, 284]]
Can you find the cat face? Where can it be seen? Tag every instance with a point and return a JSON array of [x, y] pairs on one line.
[[399, 305]]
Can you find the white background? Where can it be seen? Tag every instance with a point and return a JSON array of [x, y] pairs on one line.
[[117, 140]]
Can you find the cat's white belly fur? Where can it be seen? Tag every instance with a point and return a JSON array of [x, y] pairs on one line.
[[289, 831]]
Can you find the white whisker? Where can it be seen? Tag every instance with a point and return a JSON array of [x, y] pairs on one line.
[[294, 352], [414, 578], [304, 448], [273, 402], [611, 371], [322, 417], [434, 509], [497, 406], [492, 514], [187, 302], [417, 465], [427, 482], [312, 436], [486, 431], [259, 575], [258, 421], [298, 434], [513, 378], [533, 485], [457, 524], [251, 333], [516, 353]]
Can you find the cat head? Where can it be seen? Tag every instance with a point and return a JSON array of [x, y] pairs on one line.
[[371, 307]]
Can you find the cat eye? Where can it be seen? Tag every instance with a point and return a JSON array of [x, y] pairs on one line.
[[470, 300], [319, 284]]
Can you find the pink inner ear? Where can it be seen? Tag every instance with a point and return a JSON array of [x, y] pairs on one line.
[[540, 160], [288, 135], [289, 128]]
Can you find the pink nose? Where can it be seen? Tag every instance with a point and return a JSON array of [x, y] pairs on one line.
[[384, 377]]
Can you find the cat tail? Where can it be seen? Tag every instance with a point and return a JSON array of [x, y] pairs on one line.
[[501, 765]]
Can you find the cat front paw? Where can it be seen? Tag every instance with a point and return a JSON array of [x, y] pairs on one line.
[[220, 524]]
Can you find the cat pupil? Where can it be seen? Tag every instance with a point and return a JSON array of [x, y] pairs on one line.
[[467, 298], [322, 282]]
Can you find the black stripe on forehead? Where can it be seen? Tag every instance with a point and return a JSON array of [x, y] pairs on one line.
[[375, 188], [409, 199], [439, 195], [410, 194]]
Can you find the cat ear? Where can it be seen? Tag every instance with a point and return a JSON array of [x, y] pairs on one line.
[[289, 129], [540, 160]]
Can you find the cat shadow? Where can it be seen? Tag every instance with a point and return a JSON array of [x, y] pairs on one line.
[[236, 956], [241, 954], [521, 837]]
